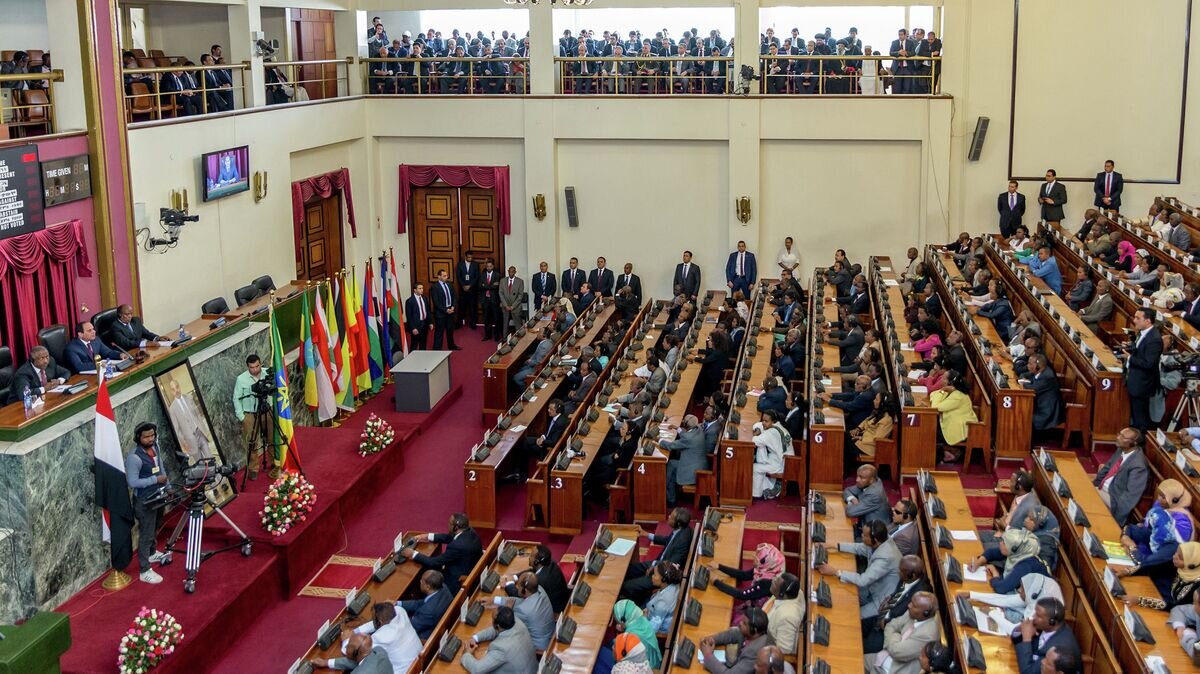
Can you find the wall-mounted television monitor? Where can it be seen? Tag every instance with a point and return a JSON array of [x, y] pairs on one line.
[[225, 172]]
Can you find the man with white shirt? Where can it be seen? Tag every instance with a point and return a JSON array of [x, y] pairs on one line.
[[1178, 235], [80, 353], [392, 631], [532, 607], [877, 581], [686, 281], [536, 448], [912, 582], [1122, 480], [543, 284], [1047, 629], [40, 373], [1108, 186], [905, 637], [1185, 620]]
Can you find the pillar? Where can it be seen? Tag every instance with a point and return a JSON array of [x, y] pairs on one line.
[[541, 49], [245, 23], [350, 37], [746, 28]]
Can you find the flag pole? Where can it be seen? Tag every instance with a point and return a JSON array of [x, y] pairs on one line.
[[116, 580]]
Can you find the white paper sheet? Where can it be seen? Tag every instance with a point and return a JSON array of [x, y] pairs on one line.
[[978, 575], [964, 534]]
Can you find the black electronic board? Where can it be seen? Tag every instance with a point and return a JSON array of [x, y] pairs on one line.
[[21, 210]]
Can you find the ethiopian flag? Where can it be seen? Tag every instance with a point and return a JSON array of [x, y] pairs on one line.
[[286, 455]]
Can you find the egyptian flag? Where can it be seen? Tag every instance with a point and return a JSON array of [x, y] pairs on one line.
[[112, 492]]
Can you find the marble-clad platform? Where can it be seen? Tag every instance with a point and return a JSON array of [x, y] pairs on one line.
[[47, 486]]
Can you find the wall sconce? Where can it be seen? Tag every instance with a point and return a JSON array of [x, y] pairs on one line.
[[742, 207], [260, 186], [179, 200], [539, 206]]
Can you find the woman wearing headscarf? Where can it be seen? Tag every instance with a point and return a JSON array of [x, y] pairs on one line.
[[1179, 590], [1170, 290], [1020, 606], [630, 653], [660, 610], [1153, 541], [1126, 255], [1044, 526], [1019, 550], [768, 563], [631, 620]]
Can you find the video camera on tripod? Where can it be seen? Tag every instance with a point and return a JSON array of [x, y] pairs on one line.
[[1187, 364], [265, 387], [204, 473]]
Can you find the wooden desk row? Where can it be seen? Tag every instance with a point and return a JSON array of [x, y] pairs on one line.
[[844, 653], [1141, 236], [499, 368], [480, 478], [826, 423], [735, 449], [1170, 458], [1110, 610], [1009, 406], [718, 606], [1191, 215]]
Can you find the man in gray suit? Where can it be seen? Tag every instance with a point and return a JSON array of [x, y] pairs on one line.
[[712, 429], [865, 499], [512, 299], [1179, 236], [876, 583], [752, 636], [658, 375], [540, 352], [532, 607], [687, 455], [905, 638], [904, 527], [1185, 620], [1100, 309], [511, 650], [361, 656], [1122, 480]]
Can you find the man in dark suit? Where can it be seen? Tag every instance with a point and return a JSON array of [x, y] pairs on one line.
[[40, 373], [489, 296], [1011, 206], [1090, 217], [444, 309], [572, 278], [185, 91], [632, 280], [902, 48], [461, 549], [543, 285], [1122, 480], [127, 331], [1052, 196], [687, 277], [417, 318], [1190, 306], [1047, 399], [741, 271], [467, 272], [80, 353], [535, 448], [425, 613], [638, 582], [213, 88], [712, 71], [857, 404], [601, 278], [857, 301], [1141, 372], [1108, 187], [912, 581], [1046, 630]]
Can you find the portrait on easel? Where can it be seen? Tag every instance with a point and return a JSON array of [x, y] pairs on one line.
[[192, 427]]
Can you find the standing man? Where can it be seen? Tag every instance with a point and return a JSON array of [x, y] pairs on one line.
[[601, 278], [902, 47], [1108, 187], [543, 285], [146, 475], [247, 408], [416, 318], [512, 296], [468, 290], [1011, 205], [572, 278], [741, 271], [444, 310], [632, 281], [687, 277], [489, 285], [1141, 367], [1052, 197]]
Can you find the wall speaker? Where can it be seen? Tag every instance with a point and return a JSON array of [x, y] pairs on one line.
[[572, 214], [981, 127]]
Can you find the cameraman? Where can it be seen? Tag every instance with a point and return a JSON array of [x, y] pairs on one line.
[[1170, 376], [145, 475], [248, 405]]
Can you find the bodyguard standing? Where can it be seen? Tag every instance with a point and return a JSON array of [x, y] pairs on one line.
[[1052, 197], [468, 290], [1011, 206], [444, 313]]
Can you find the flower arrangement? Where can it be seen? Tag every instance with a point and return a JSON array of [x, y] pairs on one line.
[[377, 435], [289, 500], [153, 636]]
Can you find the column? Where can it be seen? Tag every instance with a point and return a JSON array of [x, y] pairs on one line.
[[744, 168], [541, 238], [745, 51], [349, 34], [70, 112], [245, 24], [542, 72]]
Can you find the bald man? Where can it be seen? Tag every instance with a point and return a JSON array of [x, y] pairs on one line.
[[362, 656], [905, 637], [912, 581], [770, 661], [865, 499], [688, 454]]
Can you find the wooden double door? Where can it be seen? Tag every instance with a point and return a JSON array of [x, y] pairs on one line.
[[319, 250], [446, 223]]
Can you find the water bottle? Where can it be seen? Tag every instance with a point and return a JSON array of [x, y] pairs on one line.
[[27, 396], [108, 369], [182, 332]]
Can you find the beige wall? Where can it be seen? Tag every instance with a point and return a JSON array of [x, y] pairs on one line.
[[24, 25], [188, 29]]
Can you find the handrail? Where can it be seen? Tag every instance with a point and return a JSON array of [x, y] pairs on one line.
[[642, 57], [24, 117], [444, 59], [53, 76], [349, 60], [185, 69]]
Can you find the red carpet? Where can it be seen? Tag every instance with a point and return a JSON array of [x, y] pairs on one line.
[[340, 575]]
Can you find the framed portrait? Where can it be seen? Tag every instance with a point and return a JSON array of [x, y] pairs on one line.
[[193, 430]]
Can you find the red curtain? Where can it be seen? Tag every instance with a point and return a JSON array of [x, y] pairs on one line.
[[321, 186], [37, 282], [487, 177]]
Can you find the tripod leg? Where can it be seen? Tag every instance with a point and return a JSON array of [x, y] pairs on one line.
[[195, 533], [176, 533]]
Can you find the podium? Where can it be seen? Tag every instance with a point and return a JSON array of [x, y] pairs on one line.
[[422, 378]]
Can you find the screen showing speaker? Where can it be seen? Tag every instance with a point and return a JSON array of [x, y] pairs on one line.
[[225, 172]]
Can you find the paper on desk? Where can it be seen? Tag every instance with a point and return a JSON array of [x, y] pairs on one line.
[[754, 392], [919, 389], [164, 343], [978, 575], [890, 282], [827, 382], [533, 399], [915, 374], [994, 622], [611, 408], [643, 372], [885, 269], [60, 388], [620, 547], [718, 654], [518, 428], [964, 534]]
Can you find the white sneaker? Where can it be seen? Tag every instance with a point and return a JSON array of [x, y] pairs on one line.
[[151, 577], [157, 557]]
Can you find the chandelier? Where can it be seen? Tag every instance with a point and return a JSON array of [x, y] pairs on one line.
[[567, 3]]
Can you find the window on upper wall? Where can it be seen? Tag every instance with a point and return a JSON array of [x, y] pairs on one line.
[[132, 28]]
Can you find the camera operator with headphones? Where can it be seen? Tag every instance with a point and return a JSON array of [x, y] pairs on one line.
[[146, 476], [251, 409]]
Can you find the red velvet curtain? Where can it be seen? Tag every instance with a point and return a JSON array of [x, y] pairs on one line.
[[37, 282], [321, 186], [487, 177]]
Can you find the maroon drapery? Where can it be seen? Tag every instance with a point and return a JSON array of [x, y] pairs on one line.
[[487, 177], [37, 281], [321, 186]]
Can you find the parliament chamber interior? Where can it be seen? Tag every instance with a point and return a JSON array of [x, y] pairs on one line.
[[527, 336]]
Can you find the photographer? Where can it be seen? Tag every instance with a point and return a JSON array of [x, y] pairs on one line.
[[145, 475], [1170, 376], [250, 393]]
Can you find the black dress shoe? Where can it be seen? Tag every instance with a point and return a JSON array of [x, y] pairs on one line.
[[456, 348]]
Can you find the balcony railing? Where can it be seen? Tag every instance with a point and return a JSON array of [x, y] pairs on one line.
[[295, 81], [27, 104], [180, 91], [866, 75], [621, 75], [446, 75]]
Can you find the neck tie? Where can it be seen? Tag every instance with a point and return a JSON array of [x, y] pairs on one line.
[[1012, 201], [446, 289], [543, 282], [42, 377], [741, 264], [91, 354], [1107, 184], [510, 284], [421, 308], [1112, 472]]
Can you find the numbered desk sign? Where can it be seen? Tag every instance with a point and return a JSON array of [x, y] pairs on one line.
[[1181, 460]]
